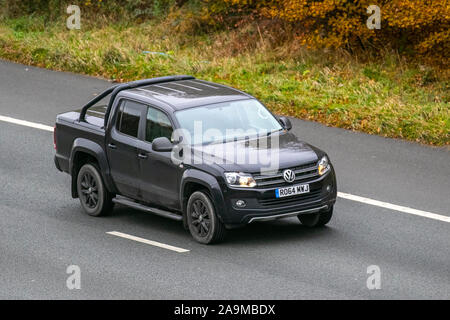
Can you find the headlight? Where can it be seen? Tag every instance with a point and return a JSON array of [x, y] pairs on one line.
[[324, 166], [239, 179]]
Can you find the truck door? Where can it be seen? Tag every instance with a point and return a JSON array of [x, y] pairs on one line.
[[121, 143], [160, 177]]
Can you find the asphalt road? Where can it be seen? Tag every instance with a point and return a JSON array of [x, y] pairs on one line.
[[43, 230]]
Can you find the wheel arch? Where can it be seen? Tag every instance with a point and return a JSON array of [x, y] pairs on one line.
[[196, 180], [86, 151]]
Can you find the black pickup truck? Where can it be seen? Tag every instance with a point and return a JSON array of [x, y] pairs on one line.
[[195, 151]]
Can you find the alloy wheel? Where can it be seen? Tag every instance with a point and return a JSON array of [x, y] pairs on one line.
[[201, 218], [89, 190]]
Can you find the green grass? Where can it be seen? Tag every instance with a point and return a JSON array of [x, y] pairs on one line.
[[389, 97]]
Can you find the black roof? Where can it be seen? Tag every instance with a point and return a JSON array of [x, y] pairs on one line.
[[189, 93]]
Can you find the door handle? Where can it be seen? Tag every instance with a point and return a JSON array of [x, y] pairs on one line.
[[112, 146], [142, 156]]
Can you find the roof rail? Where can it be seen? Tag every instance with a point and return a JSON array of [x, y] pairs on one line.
[[114, 90]]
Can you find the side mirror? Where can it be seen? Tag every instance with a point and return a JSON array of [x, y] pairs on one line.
[[162, 144], [286, 123]]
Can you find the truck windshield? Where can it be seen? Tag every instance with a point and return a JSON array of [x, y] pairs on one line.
[[226, 121]]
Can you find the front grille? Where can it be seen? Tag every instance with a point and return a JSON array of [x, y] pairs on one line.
[[310, 196], [302, 173]]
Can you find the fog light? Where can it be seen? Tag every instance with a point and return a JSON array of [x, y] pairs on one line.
[[328, 188], [241, 203]]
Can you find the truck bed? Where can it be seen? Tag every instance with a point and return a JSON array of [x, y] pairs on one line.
[[94, 116], [68, 128]]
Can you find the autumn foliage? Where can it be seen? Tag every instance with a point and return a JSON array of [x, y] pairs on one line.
[[414, 27], [417, 26]]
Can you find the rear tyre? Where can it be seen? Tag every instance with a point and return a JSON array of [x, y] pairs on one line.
[[94, 198], [314, 220], [204, 225]]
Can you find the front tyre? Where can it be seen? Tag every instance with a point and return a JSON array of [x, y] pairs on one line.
[[204, 225], [314, 220], [94, 198]]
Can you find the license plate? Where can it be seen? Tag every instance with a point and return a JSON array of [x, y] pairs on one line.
[[292, 190]]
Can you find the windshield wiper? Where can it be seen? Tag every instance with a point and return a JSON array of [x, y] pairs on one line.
[[270, 133], [235, 139]]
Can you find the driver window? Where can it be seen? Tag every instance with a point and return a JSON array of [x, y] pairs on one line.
[[158, 125]]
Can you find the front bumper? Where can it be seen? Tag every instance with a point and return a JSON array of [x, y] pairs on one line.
[[262, 205], [288, 215]]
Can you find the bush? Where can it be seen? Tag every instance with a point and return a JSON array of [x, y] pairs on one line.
[[414, 26], [111, 9]]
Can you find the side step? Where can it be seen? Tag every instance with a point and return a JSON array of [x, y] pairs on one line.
[[139, 206]]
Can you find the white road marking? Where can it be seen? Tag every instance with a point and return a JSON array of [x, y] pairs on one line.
[[150, 242], [395, 207], [26, 123], [343, 195]]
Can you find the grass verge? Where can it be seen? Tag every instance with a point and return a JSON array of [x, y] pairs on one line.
[[388, 97]]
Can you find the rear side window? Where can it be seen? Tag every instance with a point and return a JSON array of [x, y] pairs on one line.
[[158, 125], [128, 118]]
